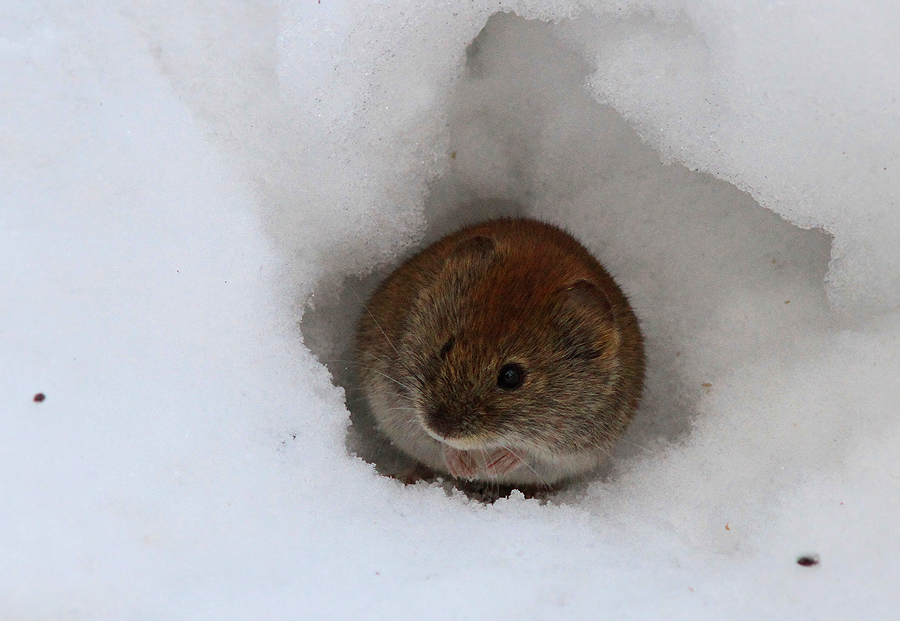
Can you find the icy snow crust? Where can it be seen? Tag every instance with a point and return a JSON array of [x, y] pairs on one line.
[[181, 184]]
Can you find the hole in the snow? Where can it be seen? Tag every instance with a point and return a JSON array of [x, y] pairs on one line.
[[707, 269]]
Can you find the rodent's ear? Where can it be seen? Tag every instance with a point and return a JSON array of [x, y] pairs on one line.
[[472, 253], [585, 322], [588, 296], [474, 248]]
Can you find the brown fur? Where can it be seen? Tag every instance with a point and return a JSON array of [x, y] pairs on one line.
[[435, 335]]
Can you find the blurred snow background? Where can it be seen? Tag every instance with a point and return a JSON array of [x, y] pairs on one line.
[[182, 182]]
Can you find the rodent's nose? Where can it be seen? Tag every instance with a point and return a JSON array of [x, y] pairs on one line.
[[440, 420]]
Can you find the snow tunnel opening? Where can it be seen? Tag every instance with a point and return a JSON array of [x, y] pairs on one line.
[[716, 280]]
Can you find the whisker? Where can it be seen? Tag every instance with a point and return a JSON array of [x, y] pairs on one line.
[[533, 471], [643, 448], [378, 325], [600, 447], [396, 381], [359, 365]]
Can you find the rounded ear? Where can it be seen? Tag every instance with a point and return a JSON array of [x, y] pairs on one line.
[[585, 324], [588, 297], [471, 256], [463, 266], [473, 249]]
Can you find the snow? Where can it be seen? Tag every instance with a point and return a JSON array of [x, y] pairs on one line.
[[197, 197]]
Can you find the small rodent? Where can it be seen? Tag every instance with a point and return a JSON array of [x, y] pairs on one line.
[[503, 352]]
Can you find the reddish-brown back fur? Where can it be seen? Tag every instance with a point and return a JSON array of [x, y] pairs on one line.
[[438, 330]]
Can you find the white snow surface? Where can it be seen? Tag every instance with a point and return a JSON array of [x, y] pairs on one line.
[[196, 197]]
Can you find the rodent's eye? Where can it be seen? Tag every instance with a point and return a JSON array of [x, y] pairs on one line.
[[447, 347], [511, 376]]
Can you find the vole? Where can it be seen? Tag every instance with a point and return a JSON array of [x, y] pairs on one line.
[[505, 353]]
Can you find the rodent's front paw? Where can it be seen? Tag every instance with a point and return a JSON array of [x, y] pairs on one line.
[[460, 464], [502, 461], [463, 465]]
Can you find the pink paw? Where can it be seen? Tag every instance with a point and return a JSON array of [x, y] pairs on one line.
[[502, 461], [461, 464]]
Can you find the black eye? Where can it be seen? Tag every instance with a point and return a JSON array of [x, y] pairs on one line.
[[447, 347], [511, 376]]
